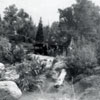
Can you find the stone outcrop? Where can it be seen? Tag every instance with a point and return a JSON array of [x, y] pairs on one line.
[[60, 72], [61, 78], [9, 91], [44, 59], [59, 65]]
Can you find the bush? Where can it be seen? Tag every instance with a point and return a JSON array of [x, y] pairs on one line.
[[82, 61], [18, 53], [29, 72], [10, 54], [5, 47]]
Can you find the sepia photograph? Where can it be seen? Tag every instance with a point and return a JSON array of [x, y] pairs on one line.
[[49, 49]]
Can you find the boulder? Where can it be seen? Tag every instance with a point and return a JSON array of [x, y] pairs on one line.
[[9, 91], [57, 68], [59, 65], [47, 60], [59, 72], [11, 74], [2, 67], [61, 78]]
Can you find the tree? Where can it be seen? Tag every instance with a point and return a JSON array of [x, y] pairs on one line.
[[54, 36], [2, 27], [81, 20], [39, 35], [10, 18], [46, 32], [26, 26], [18, 24]]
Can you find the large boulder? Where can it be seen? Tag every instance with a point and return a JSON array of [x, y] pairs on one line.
[[9, 91], [57, 68], [59, 72], [61, 78], [59, 65], [47, 60]]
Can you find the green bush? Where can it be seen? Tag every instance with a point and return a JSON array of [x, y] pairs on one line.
[[5, 48], [18, 53], [29, 72], [10, 54], [82, 61]]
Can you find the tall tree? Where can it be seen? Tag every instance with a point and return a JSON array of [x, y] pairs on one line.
[[18, 22], [25, 26], [10, 18], [39, 35], [54, 32], [46, 32], [81, 20], [2, 27]]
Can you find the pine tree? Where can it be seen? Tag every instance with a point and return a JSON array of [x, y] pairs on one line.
[[39, 35]]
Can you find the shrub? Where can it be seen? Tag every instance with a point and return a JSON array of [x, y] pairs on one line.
[[82, 61], [5, 47], [29, 72], [18, 53]]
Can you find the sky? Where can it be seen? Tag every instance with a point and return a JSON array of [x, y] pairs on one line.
[[47, 9]]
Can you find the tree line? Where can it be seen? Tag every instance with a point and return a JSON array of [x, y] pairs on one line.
[[80, 21]]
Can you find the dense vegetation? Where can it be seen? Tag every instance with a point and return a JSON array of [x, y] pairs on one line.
[[78, 26]]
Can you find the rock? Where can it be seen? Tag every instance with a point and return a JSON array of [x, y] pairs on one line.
[[2, 67], [11, 74], [59, 73], [61, 78], [44, 59], [59, 65], [57, 68], [9, 91]]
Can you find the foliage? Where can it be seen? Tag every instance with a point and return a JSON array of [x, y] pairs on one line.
[[18, 22], [81, 20], [82, 61], [53, 35], [5, 48], [10, 18], [46, 32], [39, 35], [2, 25], [17, 53], [29, 71], [9, 53], [26, 26]]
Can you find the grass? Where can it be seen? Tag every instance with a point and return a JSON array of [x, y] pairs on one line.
[[48, 92], [86, 89], [44, 96]]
